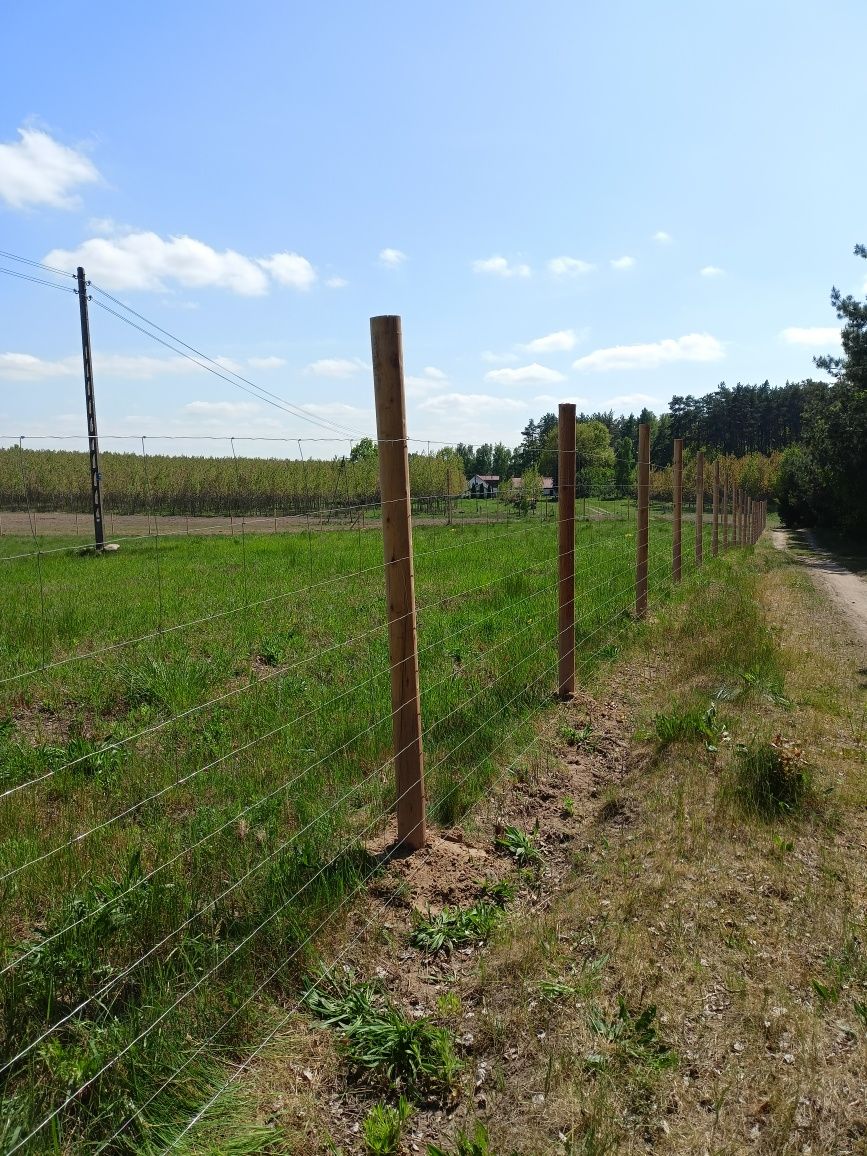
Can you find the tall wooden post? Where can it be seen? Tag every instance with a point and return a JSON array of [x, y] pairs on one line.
[[677, 508], [387, 349], [699, 508], [90, 409], [715, 523], [566, 466], [725, 513], [643, 521], [736, 517]]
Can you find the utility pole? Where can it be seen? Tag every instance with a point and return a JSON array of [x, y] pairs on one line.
[[90, 404]]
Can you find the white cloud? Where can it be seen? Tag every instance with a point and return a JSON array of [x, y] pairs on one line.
[[534, 374], [290, 269], [229, 364], [662, 238], [623, 263], [562, 339], [336, 282], [431, 378], [335, 367], [569, 266], [692, 347], [391, 258], [711, 271], [220, 408], [147, 261], [107, 226], [37, 170], [265, 362], [500, 267], [814, 335], [469, 405], [498, 358], [26, 367]]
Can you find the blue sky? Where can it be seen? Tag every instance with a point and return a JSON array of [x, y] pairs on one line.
[[564, 201]]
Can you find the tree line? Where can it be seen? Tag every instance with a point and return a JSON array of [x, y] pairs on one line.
[[803, 443]]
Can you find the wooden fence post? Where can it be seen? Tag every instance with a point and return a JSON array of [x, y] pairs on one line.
[[735, 517], [387, 349], [715, 522], [566, 549], [699, 508], [642, 521], [725, 514], [677, 509]]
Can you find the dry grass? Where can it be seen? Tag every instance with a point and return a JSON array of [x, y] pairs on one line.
[[679, 975], [749, 937]]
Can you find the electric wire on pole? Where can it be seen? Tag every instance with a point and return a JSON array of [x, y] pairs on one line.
[[90, 404]]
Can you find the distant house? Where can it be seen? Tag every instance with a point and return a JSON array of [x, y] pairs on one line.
[[484, 485], [547, 486]]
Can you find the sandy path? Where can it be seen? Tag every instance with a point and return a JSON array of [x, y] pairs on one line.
[[846, 590]]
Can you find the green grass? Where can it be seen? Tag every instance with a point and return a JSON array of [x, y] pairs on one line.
[[383, 1127], [454, 927], [466, 1144], [226, 775], [382, 1043], [521, 846], [769, 779]]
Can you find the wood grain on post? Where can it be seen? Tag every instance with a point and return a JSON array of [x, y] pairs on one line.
[[715, 523], [566, 549], [677, 509], [386, 345], [699, 508], [643, 521]]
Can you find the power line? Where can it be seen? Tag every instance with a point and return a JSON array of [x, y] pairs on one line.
[[216, 368], [36, 280], [36, 264]]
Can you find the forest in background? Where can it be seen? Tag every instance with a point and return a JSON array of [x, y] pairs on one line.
[[803, 444]]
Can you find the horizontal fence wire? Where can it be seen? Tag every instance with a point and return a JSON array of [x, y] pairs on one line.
[[276, 674], [71, 1097], [598, 626], [231, 754], [99, 996]]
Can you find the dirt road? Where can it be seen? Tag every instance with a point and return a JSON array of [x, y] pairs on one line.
[[846, 590]]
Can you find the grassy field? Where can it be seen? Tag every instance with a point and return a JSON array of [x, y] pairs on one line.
[[698, 982], [194, 750], [678, 963]]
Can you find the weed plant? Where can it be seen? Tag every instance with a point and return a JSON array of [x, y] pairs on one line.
[[454, 927], [466, 1144], [381, 1043], [769, 779], [521, 846], [383, 1127]]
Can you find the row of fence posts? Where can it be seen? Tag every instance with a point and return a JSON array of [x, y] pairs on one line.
[[748, 519]]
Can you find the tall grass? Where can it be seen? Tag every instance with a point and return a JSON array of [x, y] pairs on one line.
[[226, 777]]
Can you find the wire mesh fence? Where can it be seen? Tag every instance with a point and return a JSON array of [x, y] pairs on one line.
[[197, 745]]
